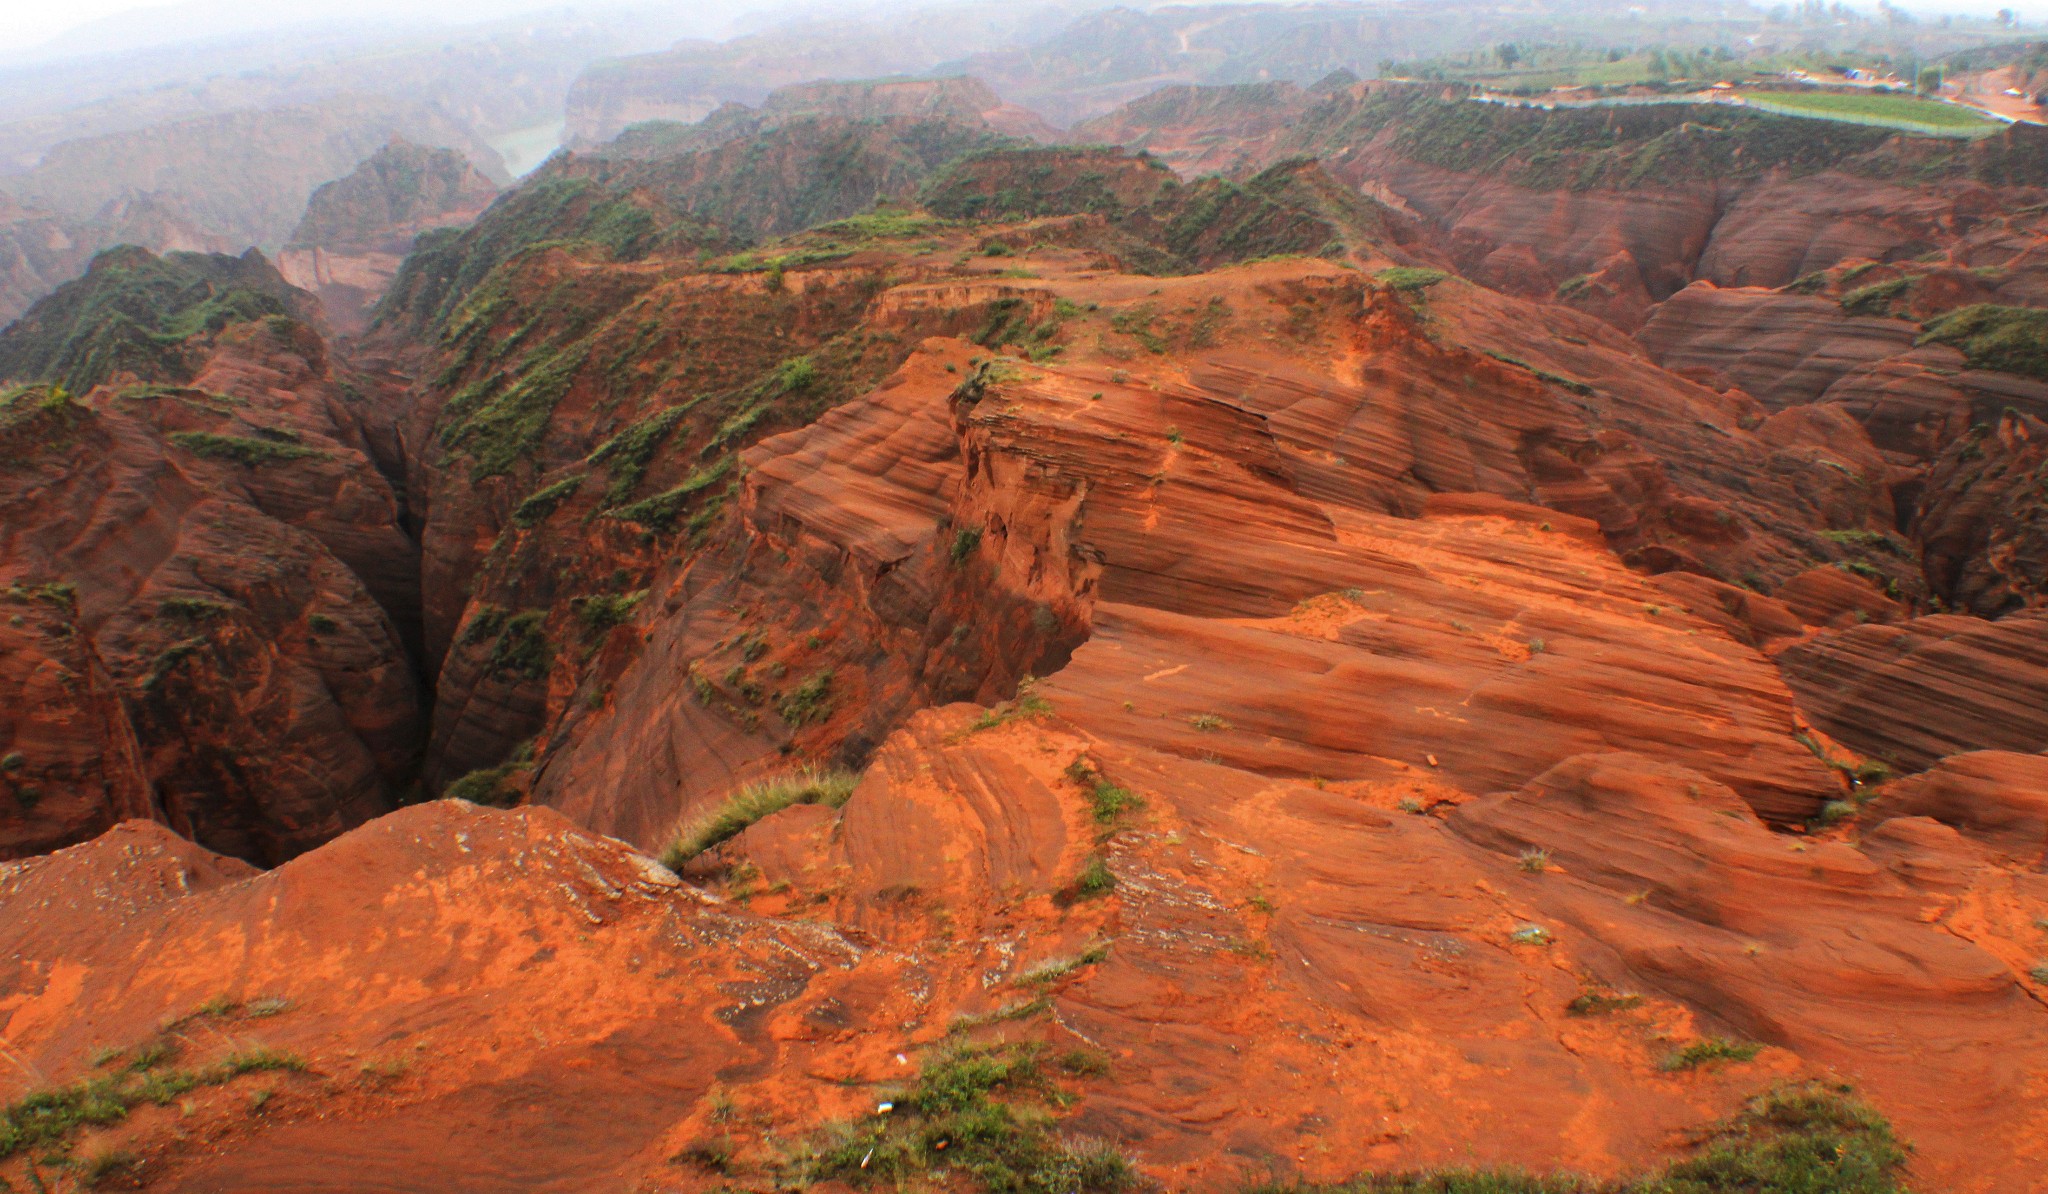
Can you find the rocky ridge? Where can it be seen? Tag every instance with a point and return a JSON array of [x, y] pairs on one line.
[[1293, 710]]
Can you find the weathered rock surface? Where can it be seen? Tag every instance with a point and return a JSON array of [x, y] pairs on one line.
[[1995, 797], [198, 648], [1786, 349], [1913, 693]]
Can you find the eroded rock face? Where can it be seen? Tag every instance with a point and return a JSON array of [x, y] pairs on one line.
[[1996, 797], [1913, 693], [1981, 522], [1786, 349], [179, 562], [913, 548]]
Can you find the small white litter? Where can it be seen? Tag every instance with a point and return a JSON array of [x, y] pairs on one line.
[[884, 1108]]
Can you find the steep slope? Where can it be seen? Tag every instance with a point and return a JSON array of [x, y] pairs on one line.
[[358, 229], [205, 558], [1291, 208], [792, 176], [148, 316], [241, 175]]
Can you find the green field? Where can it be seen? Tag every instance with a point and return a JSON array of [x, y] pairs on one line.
[[1898, 111]]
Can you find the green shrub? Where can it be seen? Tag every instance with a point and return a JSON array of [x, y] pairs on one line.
[[2010, 339], [1803, 1138], [1706, 1050], [628, 453], [1095, 879], [543, 502], [1876, 299], [811, 701], [751, 803], [503, 430], [240, 450], [975, 1110], [1599, 1003], [661, 512], [966, 541], [487, 786], [190, 609], [522, 647], [1409, 279], [599, 612], [169, 658], [795, 374], [485, 623], [1111, 802]]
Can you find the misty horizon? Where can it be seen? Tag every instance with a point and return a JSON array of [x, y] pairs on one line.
[[32, 32]]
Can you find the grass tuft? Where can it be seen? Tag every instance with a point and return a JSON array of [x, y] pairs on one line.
[[1707, 1050], [981, 1112], [754, 801], [50, 1116]]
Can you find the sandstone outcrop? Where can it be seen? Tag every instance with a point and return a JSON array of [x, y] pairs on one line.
[[1912, 693]]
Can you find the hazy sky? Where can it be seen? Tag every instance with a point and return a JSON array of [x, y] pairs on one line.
[[26, 23]]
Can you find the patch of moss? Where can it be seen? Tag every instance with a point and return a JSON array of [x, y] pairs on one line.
[[541, 503], [2009, 339], [1877, 298], [522, 648], [660, 512], [247, 451]]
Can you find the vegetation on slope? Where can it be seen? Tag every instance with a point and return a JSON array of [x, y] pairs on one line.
[[2012, 339], [136, 312], [124, 1079], [800, 175], [447, 265], [1807, 1138], [1291, 208], [399, 184], [983, 1112], [754, 801]]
